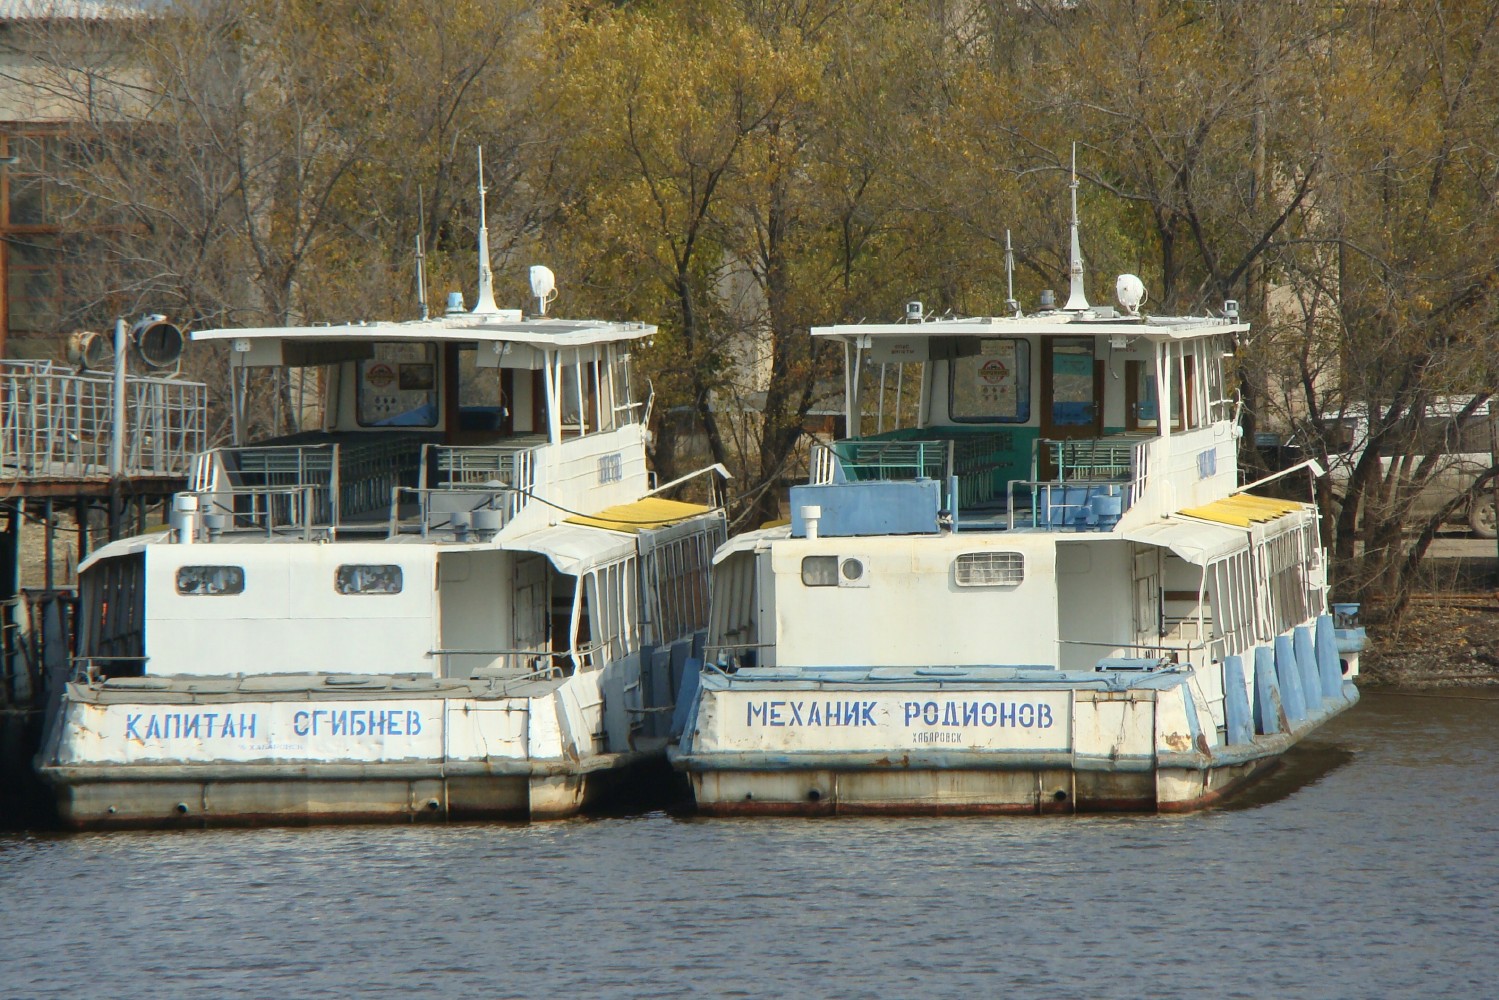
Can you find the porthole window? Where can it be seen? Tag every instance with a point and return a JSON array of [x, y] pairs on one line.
[[989, 569], [210, 581], [820, 571], [363, 579]]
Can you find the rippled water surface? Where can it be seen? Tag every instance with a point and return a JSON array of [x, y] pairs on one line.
[[1365, 867]]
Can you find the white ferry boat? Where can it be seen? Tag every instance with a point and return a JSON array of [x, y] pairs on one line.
[[459, 598], [1048, 594]]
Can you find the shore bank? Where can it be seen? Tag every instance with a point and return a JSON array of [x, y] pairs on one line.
[[1450, 635]]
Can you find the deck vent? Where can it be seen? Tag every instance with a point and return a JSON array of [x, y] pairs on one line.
[[989, 569]]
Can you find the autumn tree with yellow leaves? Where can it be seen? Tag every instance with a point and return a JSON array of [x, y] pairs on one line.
[[738, 171]]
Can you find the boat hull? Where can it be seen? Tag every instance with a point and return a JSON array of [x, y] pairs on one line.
[[163, 752], [1020, 741], [939, 792], [222, 794]]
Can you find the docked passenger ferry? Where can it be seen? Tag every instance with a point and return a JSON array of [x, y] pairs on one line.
[[1046, 593], [458, 597]]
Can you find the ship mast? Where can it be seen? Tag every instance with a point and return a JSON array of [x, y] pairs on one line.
[[484, 304], [1076, 301]]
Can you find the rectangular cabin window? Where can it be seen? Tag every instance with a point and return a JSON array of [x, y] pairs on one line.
[[1143, 398], [367, 579], [819, 571], [626, 410], [989, 569], [398, 387], [481, 397], [210, 581], [994, 385]]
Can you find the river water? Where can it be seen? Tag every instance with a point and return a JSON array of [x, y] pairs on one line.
[[1365, 867]]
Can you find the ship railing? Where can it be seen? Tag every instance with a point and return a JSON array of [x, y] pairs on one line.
[[465, 466], [976, 461], [349, 480], [857, 460], [727, 657], [369, 467], [594, 655], [475, 513], [1076, 505], [93, 669], [1092, 481], [1165, 651], [255, 480], [296, 508], [57, 423], [512, 665]]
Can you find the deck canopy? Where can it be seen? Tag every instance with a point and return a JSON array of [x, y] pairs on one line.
[[1193, 541], [1213, 531], [640, 515], [504, 328], [1095, 323]]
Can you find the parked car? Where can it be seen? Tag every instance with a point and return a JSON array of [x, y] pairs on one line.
[[1465, 447]]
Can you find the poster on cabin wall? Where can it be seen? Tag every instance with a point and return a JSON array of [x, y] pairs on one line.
[[996, 378]]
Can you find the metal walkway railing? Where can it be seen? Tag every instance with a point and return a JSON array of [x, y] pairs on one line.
[[58, 424]]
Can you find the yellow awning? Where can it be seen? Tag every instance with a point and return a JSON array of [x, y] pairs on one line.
[[1242, 510], [651, 512]]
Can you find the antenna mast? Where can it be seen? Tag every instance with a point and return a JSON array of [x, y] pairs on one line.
[[484, 304], [1076, 300], [421, 254], [1010, 302]]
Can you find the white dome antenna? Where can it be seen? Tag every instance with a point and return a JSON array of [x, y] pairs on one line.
[[1076, 300], [543, 286], [484, 302], [1130, 291]]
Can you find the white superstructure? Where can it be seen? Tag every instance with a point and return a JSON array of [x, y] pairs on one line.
[[456, 597], [1026, 581]]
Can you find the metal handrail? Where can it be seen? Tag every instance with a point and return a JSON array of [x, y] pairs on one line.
[[58, 423], [512, 501], [298, 514]]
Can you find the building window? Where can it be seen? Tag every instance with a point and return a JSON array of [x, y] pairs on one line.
[[357, 579], [210, 581]]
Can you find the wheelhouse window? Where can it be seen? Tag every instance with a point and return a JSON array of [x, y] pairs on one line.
[[482, 405], [210, 581], [994, 385], [367, 579], [398, 387], [1143, 399]]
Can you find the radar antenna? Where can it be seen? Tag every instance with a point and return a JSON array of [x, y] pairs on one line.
[[1076, 300], [484, 304]]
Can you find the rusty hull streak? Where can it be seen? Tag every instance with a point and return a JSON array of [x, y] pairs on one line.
[[1179, 742]]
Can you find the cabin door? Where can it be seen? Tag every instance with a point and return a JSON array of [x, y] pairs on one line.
[[1071, 394], [1147, 591], [531, 599]]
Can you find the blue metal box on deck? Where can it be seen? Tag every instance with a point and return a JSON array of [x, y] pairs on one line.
[[907, 507]]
